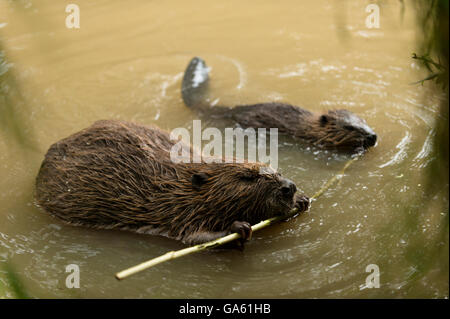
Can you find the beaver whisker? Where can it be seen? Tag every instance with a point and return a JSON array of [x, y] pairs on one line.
[[342, 138], [319, 141], [332, 139]]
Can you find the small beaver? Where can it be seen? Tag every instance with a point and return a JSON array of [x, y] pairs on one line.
[[337, 129], [116, 174]]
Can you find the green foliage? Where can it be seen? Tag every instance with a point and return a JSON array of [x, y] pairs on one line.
[[436, 70], [433, 22], [432, 17]]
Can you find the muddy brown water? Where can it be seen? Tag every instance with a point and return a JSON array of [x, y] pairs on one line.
[[126, 62]]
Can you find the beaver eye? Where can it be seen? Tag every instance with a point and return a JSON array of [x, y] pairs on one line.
[[323, 120], [198, 180], [349, 127], [248, 178]]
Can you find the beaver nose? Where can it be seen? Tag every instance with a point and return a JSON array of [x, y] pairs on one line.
[[288, 188], [371, 139]]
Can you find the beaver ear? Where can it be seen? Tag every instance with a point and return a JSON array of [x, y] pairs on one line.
[[323, 119], [198, 179]]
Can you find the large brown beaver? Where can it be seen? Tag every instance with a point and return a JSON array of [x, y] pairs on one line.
[[340, 130], [116, 174]]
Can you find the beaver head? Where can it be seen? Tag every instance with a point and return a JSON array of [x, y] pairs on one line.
[[246, 191], [344, 130]]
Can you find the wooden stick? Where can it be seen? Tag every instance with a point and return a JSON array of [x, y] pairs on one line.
[[226, 239], [186, 251]]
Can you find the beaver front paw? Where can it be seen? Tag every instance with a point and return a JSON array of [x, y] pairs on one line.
[[302, 203], [242, 228]]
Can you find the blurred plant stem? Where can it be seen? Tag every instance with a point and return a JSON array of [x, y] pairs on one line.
[[13, 283], [11, 122]]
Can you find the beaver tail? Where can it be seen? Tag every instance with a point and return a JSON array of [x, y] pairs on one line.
[[195, 83]]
